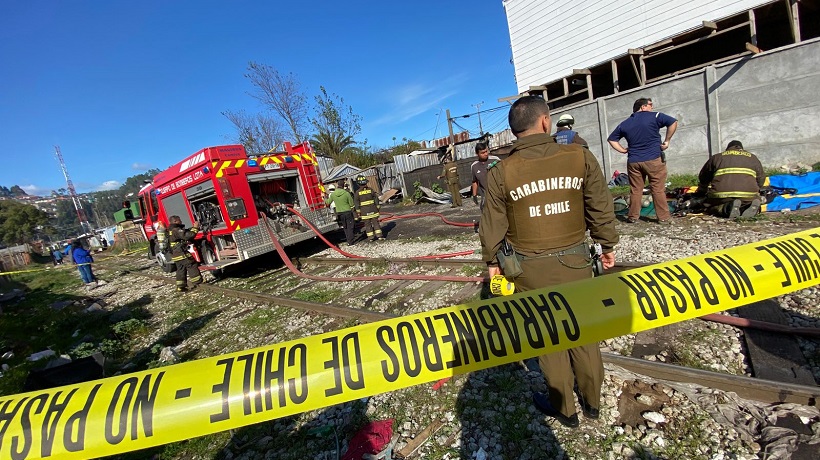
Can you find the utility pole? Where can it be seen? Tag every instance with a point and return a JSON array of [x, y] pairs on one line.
[[478, 112], [452, 137], [86, 227]]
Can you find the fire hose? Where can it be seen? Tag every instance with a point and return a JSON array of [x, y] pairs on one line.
[[392, 216], [281, 250], [761, 325]]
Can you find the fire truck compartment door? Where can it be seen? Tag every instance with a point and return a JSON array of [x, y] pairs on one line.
[[264, 177], [206, 188], [175, 205]]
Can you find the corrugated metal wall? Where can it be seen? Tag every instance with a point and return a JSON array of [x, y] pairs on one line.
[[325, 165], [548, 40]]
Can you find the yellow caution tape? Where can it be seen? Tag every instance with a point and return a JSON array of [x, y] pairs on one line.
[[173, 403], [24, 271], [499, 285]]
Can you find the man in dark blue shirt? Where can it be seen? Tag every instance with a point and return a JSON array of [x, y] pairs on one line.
[[644, 156]]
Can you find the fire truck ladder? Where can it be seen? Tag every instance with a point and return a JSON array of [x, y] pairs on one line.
[[314, 181]]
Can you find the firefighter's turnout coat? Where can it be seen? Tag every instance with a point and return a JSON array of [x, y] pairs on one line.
[[367, 207], [179, 238], [733, 174]]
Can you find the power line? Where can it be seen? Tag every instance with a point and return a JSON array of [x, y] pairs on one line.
[[478, 112]]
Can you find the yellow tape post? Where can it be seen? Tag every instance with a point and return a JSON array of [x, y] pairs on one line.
[[174, 403]]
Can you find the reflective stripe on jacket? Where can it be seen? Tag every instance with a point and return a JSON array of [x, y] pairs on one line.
[[365, 201], [732, 174]]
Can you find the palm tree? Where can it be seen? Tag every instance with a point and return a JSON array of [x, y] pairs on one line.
[[334, 145]]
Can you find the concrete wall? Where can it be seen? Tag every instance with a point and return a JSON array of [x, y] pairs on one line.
[[770, 102]]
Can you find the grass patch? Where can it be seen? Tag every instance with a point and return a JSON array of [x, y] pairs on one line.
[[258, 319], [378, 266], [472, 270], [51, 316], [682, 180], [318, 295], [675, 181], [191, 310]]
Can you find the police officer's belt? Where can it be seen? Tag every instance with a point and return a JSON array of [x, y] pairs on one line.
[[511, 264], [580, 249]]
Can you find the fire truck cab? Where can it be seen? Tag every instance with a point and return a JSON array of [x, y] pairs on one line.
[[240, 202]]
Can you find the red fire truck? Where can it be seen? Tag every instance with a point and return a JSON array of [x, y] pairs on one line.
[[240, 201]]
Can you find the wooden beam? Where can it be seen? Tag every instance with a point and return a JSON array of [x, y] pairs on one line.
[[794, 19], [581, 72], [752, 29], [510, 98], [635, 68], [589, 86], [537, 88], [643, 69], [566, 86], [574, 93], [635, 51], [699, 66], [615, 83], [657, 45], [752, 48], [697, 40], [711, 25]]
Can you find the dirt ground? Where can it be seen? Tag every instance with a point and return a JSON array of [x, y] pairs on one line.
[[429, 226]]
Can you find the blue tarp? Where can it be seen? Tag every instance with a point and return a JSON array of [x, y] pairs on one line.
[[808, 192]]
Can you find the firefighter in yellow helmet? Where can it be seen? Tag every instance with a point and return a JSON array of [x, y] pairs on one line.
[[367, 209], [187, 267]]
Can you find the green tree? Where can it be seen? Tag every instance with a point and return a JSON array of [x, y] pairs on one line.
[[336, 126], [19, 223], [407, 146], [65, 222], [16, 190]]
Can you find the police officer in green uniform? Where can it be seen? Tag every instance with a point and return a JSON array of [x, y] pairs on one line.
[[187, 267], [541, 200], [450, 175], [367, 209]]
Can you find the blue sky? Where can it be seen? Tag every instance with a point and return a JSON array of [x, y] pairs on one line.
[[126, 86]]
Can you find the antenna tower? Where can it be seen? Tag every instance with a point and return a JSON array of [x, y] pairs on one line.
[[86, 227]]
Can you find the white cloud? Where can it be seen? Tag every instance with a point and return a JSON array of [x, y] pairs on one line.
[[35, 190], [108, 185], [414, 99], [141, 166]]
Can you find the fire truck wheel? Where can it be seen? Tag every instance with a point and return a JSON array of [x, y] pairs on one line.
[[164, 261], [208, 256]]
